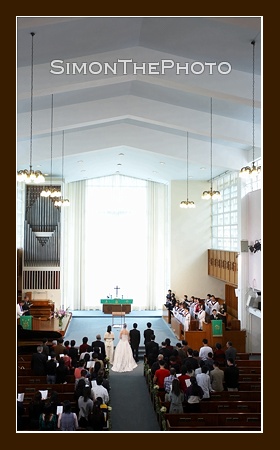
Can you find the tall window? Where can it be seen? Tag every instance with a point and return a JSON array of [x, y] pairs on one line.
[[225, 214], [225, 211], [123, 244]]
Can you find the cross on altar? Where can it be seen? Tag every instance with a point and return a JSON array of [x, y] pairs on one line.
[[117, 289]]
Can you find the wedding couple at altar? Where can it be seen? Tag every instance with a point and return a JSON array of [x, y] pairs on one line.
[[123, 357]]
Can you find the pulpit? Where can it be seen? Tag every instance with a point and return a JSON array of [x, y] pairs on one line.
[[42, 309], [116, 305]]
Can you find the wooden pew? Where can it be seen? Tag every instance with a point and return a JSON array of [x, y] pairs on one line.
[[222, 402], [21, 365], [25, 370], [254, 395], [32, 388], [249, 363], [249, 385], [22, 371], [248, 370], [24, 358], [230, 406], [250, 377], [210, 428], [217, 406], [242, 356], [177, 328], [39, 379], [222, 421], [209, 406], [236, 395]]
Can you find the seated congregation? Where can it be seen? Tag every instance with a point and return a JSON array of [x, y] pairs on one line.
[[64, 387], [202, 382]]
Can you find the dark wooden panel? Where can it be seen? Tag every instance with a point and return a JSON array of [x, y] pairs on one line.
[[108, 309]]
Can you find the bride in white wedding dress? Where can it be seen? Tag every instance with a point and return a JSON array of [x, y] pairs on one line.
[[123, 357]]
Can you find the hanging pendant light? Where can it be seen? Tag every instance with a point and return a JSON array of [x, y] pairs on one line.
[[62, 201], [187, 203], [31, 176], [50, 191], [253, 170], [211, 194]]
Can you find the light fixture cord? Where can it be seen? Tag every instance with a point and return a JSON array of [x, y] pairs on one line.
[[31, 103], [187, 166], [51, 137], [62, 172], [211, 151], [253, 88]]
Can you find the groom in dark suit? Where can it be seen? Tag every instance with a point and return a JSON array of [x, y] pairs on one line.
[[134, 335], [100, 345]]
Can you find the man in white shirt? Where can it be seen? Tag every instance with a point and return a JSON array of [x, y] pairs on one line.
[[204, 350], [20, 311], [100, 391], [203, 380]]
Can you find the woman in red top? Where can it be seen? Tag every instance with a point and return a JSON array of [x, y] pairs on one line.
[[182, 378], [160, 374], [219, 355]]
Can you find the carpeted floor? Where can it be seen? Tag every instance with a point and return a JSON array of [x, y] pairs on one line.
[[132, 409], [81, 326]]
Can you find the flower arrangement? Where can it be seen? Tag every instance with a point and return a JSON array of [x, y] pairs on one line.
[[155, 389], [163, 409], [60, 313]]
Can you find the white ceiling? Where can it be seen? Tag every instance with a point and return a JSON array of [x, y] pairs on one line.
[[139, 120]]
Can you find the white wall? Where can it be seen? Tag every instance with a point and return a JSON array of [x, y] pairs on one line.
[[190, 231], [250, 269], [254, 334], [254, 219]]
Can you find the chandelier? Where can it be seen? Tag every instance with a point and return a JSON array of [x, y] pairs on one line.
[[254, 170], [29, 175], [187, 203], [62, 201], [206, 195], [50, 191]]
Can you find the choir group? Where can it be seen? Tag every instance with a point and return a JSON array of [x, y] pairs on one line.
[[202, 310]]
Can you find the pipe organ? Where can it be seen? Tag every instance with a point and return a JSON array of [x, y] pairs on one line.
[[42, 241]]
